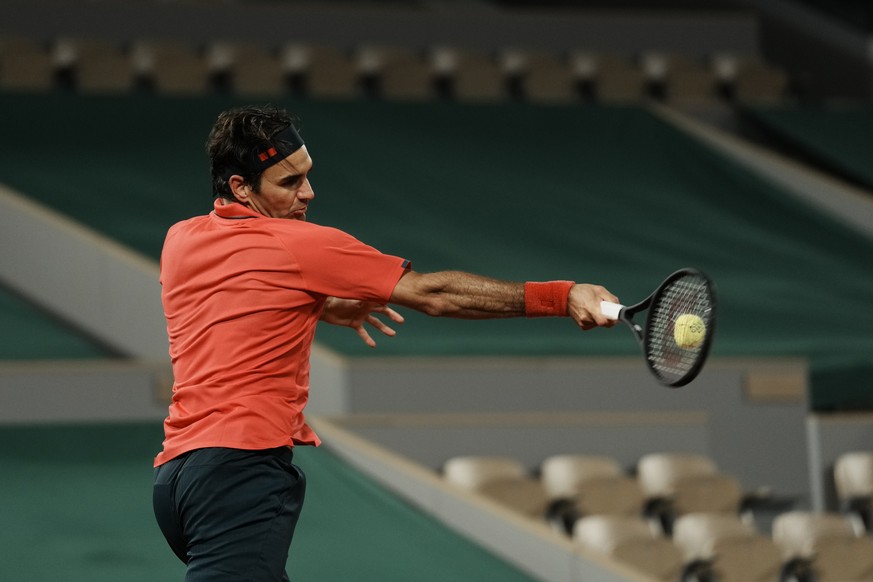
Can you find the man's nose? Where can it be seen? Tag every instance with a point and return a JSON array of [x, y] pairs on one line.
[[306, 191]]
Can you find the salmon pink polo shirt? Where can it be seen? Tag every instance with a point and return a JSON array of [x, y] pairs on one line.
[[242, 294]]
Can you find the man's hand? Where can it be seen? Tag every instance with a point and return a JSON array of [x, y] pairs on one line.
[[354, 314], [583, 305]]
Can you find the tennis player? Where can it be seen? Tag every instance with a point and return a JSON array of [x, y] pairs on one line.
[[243, 289]]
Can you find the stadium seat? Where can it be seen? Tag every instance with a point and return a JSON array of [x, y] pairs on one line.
[[617, 78], [680, 483], [718, 493], [501, 479], [853, 479], [325, 71], [97, 65], [399, 73], [690, 81], [171, 67], [630, 540], [733, 550], [544, 77], [724, 67], [658, 472], [654, 66], [584, 69], [251, 68], [474, 76], [595, 484], [25, 65], [828, 542]]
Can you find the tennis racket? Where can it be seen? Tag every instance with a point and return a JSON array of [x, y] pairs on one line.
[[673, 342]]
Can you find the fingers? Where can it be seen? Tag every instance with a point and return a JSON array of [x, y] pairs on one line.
[[584, 304], [378, 324], [390, 313], [591, 319], [381, 326], [362, 333], [591, 323]]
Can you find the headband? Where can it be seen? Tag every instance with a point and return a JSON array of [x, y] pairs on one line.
[[282, 145]]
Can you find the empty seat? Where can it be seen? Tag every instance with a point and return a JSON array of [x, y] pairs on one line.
[[501, 479], [631, 541], [617, 79], [251, 68], [474, 76], [724, 68], [659, 472], [596, 484], [655, 67], [326, 72], [171, 67], [398, 72], [718, 493], [108, 73], [828, 541], [690, 81], [733, 550], [25, 65], [544, 77], [853, 479], [583, 66], [97, 65], [680, 483]]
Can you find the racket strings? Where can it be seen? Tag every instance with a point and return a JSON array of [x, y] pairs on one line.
[[689, 294]]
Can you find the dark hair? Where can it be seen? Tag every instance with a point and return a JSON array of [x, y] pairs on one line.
[[236, 133]]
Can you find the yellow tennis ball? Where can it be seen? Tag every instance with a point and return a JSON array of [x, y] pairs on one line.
[[689, 331]]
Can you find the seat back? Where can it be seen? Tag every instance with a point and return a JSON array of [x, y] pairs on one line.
[[853, 475], [797, 532], [659, 472], [631, 541], [711, 493], [562, 475], [502, 479], [737, 551], [473, 472]]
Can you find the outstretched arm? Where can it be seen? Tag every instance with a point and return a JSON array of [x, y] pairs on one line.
[[469, 296]]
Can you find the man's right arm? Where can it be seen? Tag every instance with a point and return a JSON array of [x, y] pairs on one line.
[[469, 296]]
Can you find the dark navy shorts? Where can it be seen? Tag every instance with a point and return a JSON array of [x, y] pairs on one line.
[[230, 514]]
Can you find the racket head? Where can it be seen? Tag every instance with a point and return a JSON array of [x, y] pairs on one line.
[[687, 291]]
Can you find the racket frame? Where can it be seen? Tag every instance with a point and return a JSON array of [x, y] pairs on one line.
[[626, 314]]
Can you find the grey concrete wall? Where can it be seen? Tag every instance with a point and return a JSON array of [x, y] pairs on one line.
[[435, 408], [100, 391], [82, 277], [469, 24]]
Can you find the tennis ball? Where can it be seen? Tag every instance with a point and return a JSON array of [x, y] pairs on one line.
[[689, 331]]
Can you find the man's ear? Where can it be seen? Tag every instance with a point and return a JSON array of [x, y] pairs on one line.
[[239, 188]]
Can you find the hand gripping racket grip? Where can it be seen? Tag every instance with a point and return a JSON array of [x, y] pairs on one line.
[[610, 309]]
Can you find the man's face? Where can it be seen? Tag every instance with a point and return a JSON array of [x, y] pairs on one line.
[[284, 191]]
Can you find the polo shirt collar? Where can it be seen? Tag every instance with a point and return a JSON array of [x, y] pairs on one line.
[[226, 209]]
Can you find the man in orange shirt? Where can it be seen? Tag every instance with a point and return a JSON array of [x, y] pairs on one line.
[[243, 289]]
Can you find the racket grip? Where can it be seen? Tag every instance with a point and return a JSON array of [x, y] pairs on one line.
[[610, 309]]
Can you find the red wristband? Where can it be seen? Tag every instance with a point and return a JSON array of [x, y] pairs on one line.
[[546, 299]]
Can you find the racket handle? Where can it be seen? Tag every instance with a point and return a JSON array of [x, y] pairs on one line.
[[610, 309]]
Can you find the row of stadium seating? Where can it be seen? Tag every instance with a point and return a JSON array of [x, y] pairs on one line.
[[391, 72], [679, 517]]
